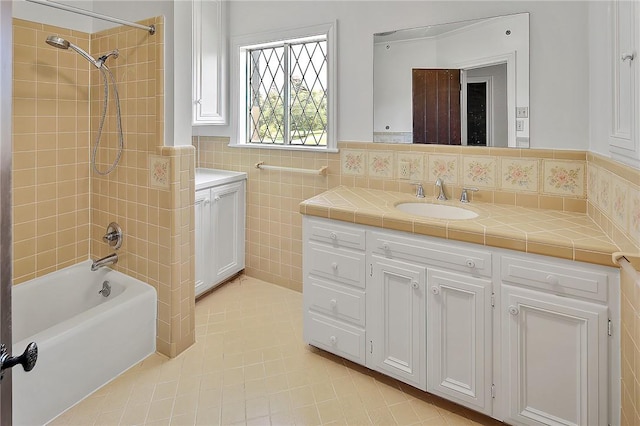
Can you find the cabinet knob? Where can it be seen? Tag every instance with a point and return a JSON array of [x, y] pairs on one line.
[[333, 303], [552, 279], [333, 340], [207, 201], [415, 285], [334, 265], [216, 198], [471, 263], [435, 290], [333, 236], [385, 247], [513, 310]]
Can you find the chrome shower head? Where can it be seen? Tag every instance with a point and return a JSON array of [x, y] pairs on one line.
[[61, 43], [58, 42]]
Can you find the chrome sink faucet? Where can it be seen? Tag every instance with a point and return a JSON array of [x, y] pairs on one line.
[[419, 190], [464, 196], [440, 184]]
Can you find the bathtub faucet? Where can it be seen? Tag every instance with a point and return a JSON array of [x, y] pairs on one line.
[[112, 259]]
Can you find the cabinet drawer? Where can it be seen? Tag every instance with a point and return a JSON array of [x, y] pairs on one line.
[[557, 278], [338, 265], [477, 262], [335, 301], [336, 235], [335, 337]]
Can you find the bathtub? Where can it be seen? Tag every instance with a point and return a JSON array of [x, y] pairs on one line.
[[84, 339]]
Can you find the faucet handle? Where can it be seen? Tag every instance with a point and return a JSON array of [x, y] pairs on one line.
[[419, 189], [464, 197]]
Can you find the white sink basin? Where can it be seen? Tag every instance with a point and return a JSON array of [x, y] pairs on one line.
[[436, 211]]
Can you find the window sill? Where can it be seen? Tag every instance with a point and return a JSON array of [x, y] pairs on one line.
[[285, 148]]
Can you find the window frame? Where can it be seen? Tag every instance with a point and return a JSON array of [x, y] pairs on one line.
[[240, 94]]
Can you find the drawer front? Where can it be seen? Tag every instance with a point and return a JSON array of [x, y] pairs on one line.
[[477, 262], [336, 235], [560, 279], [335, 337], [335, 301], [338, 265]]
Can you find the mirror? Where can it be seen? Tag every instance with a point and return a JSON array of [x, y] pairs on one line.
[[462, 83]]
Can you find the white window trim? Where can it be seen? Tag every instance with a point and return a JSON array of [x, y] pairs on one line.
[[239, 46]]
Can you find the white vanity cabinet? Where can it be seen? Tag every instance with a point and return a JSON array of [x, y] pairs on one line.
[[555, 330], [520, 337], [334, 282], [219, 226]]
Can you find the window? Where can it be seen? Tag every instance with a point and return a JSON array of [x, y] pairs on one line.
[[284, 95]]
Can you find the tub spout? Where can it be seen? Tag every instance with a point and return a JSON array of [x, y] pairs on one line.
[[112, 259]]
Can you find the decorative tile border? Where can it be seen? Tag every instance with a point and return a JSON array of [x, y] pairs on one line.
[[519, 175], [353, 162], [381, 164], [410, 166], [443, 166], [479, 171], [603, 194], [634, 215], [564, 178], [619, 211]]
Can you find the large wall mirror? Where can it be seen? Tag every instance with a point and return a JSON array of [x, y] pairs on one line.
[[462, 83]]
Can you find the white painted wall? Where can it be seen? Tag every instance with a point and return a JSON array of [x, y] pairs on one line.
[[559, 54]]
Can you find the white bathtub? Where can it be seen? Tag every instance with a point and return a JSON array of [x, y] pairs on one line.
[[84, 339]]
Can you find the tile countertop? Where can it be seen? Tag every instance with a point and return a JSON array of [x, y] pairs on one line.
[[566, 235]]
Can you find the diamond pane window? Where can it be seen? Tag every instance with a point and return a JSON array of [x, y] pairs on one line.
[[287, 93]]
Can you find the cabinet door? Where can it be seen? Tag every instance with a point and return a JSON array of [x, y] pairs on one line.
[[459, 338], [209, 21], [228, 206], [555, 353], [204, 257], [396, 321], [625, 100]]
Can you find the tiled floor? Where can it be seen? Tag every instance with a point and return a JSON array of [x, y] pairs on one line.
[[250, 366]]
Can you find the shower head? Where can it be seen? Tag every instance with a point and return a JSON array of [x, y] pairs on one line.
[[61, 43], [58, 42]]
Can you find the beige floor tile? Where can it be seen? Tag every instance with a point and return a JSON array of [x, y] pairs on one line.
[[250, 366]]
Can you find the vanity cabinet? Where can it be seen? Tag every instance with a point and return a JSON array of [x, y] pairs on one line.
[[219, 234], [520, 337]]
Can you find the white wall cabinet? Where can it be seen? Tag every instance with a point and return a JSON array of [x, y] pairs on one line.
[[555, 359], [625, 84], [396, 320], [520, 337], [459, 336], [220, 234], [210, 56]]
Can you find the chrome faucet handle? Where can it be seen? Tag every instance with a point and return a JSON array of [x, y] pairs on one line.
[[419, 189], [440, 184], [464, 196]]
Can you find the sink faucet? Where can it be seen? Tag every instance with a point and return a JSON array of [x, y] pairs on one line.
[[440, 184], [419, 190], [464, 196], [111, 259]]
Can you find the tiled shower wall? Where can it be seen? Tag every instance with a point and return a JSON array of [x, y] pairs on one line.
[[61, 209], [50, 180], [151, 192], [614, 203], [530, 178]]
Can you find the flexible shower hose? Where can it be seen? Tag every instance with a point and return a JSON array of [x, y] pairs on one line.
[[104, 70]]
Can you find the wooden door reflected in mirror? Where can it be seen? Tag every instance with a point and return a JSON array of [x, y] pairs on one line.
[[436, 106]]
